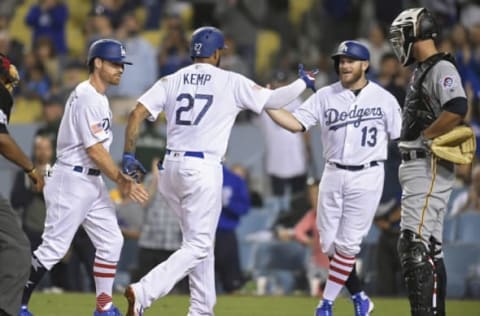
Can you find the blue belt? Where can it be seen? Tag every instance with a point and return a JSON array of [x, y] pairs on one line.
[[197, 154], [356, 168], [90, 171]]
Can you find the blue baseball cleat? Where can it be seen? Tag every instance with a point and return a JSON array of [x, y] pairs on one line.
[[325, 309], [362, 304], [24, 311], [112, 311]]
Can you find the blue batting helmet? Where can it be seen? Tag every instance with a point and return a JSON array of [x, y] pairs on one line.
[[108, 49], [351, 49], [205, 41]]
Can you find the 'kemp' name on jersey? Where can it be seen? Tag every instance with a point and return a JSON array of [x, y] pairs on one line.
[[356, 116], [196, 79]]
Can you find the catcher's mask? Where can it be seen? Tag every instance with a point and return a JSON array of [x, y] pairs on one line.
[[8, 72], [408, 27]]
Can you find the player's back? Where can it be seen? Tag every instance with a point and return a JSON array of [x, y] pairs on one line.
[[201, 102]]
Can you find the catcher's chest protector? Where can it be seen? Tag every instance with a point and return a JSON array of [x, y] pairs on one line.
[[418, 111]]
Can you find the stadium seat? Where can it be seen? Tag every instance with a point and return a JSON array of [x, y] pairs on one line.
[[26, 111], [18, 29], [268, 44], [456, 191], [468, 227], [450, 230], [458, 258], [75, 40], [254, 222], [154, 37], [78, 11], [297, 9]]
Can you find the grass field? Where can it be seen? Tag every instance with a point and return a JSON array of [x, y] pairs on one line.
[[83, 304]]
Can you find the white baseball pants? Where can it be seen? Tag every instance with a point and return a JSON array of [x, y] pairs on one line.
[[347, 202], [74, 199], [192, 187]]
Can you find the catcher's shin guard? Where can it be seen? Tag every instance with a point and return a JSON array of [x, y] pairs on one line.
[[417, 270], [440, 277]]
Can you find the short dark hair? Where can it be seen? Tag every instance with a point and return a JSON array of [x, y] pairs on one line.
[[91, 65]]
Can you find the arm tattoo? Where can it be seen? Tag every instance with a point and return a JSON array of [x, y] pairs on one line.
[[131, 133]]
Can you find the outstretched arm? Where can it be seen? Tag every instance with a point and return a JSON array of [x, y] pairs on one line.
[[284, 95], [286, 120]]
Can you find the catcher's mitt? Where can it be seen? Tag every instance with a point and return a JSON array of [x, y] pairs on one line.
[[457, 146]]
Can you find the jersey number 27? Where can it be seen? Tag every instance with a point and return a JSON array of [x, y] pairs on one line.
[[205, 99]]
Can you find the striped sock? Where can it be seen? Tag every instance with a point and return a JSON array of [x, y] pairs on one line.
[[104, 274], [340, 268]]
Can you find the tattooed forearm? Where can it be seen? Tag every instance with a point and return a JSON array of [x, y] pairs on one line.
[[133, 127]]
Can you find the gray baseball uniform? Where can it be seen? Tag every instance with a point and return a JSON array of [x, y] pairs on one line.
[[426, 183]]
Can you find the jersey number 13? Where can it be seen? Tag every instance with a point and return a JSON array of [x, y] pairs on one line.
[[369, 136]]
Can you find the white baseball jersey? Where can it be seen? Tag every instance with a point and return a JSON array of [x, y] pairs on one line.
[[86, 122], [285, 151], [354, 129], [201, 103]]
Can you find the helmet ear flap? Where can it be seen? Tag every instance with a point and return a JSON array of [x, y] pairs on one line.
[[427, 28]]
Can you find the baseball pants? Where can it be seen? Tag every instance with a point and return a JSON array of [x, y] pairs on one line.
[[14, 260], [192, 187], [347, 202], [75, 199], [426, 187]]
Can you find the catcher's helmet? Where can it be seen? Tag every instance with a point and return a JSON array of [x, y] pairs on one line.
[[108, 49], [205, 41], [408, 27], [351, 49]]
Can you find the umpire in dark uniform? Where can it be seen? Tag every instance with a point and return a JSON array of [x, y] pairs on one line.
[[435, 103], [14, 245]]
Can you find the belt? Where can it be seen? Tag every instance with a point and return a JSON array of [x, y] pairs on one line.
[[88, 171], [355, 168], [413, 154], [197, 154]]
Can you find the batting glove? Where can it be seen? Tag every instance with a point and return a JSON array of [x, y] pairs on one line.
[[131, 166], [308, 76]]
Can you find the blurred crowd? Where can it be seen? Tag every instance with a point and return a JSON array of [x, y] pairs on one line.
[[47, 41]]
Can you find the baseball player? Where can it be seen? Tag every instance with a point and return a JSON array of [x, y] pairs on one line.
[[14, 245], [200, 102], [75, 193], [357, 117], [435, 104]]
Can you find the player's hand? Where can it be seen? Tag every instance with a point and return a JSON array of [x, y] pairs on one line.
[[308, 76], [132, 167], [135, 191], [37, 179]]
